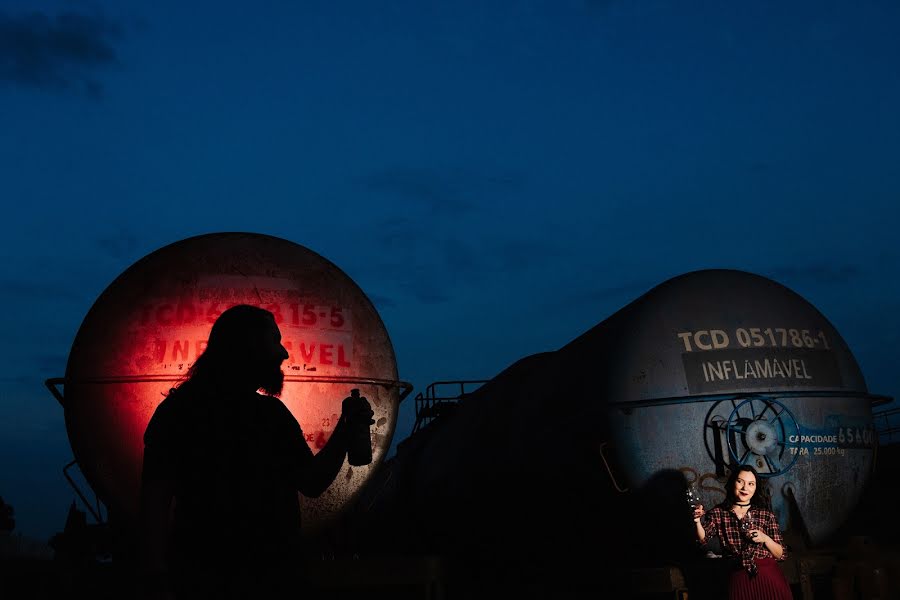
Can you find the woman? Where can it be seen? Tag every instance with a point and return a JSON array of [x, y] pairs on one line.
[[750, 536]]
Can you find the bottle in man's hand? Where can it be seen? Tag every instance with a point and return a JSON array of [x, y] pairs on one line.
[[359, 418]]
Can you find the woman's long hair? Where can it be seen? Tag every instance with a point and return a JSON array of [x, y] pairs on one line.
[[760, 498]]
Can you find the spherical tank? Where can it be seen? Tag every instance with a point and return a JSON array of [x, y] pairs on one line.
[[719, 367], [146, 329]]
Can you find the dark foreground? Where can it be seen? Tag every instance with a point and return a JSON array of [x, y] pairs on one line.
[[862, 568]]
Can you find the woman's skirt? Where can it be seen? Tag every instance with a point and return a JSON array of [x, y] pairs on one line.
[[768, 583]]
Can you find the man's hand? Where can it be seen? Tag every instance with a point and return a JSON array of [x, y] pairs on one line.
[[356, 409]]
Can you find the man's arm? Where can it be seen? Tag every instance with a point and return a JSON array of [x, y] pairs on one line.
[[321, 469]]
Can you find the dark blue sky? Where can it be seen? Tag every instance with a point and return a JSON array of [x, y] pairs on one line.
[[497, 176]]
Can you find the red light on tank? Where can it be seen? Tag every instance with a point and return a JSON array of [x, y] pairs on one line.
[[148, 327]]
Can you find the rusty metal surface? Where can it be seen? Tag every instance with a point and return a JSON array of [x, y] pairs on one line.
[[146, 329], [721, 367], [713, 332], [621, 417], [822, 465]]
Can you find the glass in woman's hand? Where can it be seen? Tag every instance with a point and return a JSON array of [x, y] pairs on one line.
[[747, 525], [692, 497]]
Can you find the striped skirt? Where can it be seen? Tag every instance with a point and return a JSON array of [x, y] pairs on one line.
[[769, 583]]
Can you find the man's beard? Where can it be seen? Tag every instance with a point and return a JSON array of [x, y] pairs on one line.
[[272, 381]]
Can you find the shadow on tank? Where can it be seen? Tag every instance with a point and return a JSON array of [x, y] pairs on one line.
[[568, 468]]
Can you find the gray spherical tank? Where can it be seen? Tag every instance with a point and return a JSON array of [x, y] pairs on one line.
[[146, 329]]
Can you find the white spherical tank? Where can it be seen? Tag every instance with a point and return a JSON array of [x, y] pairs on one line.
[[146, 329]]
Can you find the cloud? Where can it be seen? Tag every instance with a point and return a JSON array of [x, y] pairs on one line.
[[56, 53], [27, 290], [382, 302], [51, 364], [440, 193], [600, 296], [120, 246], [601, 6], [436, 194], [525, 254], [460, 260], [30, 363], [426, 287], [411, 263], [398, 234], [421, 282], [414, 261], [827, 274], [623, 294], [417, 265], [20, 379]]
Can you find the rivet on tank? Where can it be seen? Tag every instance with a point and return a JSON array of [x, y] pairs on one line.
[[146, 329]]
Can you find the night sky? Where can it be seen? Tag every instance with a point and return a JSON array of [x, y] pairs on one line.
[[497, 176]]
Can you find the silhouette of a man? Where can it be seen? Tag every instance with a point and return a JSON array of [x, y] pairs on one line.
[[230, 461]]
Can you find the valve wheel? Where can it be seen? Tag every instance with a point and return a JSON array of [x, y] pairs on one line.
[[758, 431]]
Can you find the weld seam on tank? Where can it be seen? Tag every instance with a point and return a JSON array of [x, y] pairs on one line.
[[388, 383]]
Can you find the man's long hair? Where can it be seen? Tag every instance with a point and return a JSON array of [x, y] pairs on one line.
[[230, 354]]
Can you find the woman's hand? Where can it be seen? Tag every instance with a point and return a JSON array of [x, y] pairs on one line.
[[698, 526], [759, 536], [698, 512]]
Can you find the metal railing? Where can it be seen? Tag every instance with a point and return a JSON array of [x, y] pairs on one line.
[[886, 427], [96, 509], [431, 405]]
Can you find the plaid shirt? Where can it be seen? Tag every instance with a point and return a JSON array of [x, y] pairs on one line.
[[724, 524]]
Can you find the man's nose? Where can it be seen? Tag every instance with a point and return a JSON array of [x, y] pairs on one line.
[[284, 353]]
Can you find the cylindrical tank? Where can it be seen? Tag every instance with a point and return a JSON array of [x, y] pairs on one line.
[[720, 367], [588, 449], [146, 329]]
